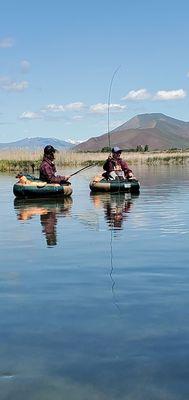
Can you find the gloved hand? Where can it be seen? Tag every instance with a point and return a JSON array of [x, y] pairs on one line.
[[131, 176]]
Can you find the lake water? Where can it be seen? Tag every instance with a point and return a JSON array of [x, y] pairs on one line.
[[94, 292]]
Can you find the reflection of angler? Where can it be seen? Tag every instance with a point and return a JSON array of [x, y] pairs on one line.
[[49, 210], [116, 212], [49, 222], [117, 207]]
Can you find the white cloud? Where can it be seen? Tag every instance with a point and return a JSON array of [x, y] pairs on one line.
[[54, 108], [30, 115], [25, 66], [141, 94], [6, 42], [101, 108], [12, 86], [77, 117], [170, 94], [17, 86], [75, 106]]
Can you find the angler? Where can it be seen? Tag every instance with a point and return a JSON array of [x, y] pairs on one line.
[[48, 169], [116, 167]]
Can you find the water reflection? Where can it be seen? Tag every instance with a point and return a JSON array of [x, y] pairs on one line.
[[49, 212], [107, 316], [116, 207]]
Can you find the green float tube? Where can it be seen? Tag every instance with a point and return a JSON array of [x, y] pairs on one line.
[[30, 187], [115, 185]]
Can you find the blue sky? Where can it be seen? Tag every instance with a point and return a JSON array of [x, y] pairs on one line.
[[57, 60]]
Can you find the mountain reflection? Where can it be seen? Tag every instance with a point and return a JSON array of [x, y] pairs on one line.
[[48, 210], [116, 207]]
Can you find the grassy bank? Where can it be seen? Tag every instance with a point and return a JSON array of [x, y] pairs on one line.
[[21, 160]]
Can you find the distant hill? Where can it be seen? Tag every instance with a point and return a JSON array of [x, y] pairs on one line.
[[158, 131], [36, 143]]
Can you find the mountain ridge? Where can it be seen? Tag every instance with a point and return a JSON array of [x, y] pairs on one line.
[[36, 143], [156, 130]]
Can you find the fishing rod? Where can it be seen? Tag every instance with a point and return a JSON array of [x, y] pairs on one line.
[[109, 98], [74, 173], [87, 166]]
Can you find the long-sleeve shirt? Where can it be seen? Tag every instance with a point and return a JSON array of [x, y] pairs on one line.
[[48, 171], [112, 164]]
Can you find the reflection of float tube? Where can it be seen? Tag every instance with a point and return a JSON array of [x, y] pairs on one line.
[[48, 211], [27, 208], [99, 199], [52, 202]]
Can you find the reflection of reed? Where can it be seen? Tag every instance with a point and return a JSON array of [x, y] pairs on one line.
[[48, 210]]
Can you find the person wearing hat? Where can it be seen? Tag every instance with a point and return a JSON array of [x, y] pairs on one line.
[[116, 167], [48, 169]]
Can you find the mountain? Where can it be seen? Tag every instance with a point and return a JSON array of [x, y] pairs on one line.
[[158, 131], [36, 143]]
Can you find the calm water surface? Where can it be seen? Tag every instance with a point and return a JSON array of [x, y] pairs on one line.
[[94, 292]]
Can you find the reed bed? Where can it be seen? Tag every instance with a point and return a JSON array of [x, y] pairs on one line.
[[23, 160], [74, 159]]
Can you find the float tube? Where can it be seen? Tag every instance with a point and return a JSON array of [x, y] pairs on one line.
[[30, 187], [116, 185]]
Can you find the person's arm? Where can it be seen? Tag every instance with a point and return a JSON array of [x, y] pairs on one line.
[[59, 179], [128, 172], [50, 175], [108, 165]]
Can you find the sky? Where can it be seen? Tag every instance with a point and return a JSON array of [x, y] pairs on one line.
[[63, 64]]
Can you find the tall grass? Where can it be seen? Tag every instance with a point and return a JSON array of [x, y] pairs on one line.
[[23, 160]]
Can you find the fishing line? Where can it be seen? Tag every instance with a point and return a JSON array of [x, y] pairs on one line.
[[112, 269], [109, 98], [111, 222]]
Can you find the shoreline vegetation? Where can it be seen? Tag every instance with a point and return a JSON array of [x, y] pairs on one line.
[[27, 161]]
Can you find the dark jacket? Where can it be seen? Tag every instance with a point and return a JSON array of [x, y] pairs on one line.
[[48, 170], [111, 164]]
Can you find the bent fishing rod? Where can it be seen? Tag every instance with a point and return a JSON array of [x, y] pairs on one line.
[[87, 166], [109, 99]]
